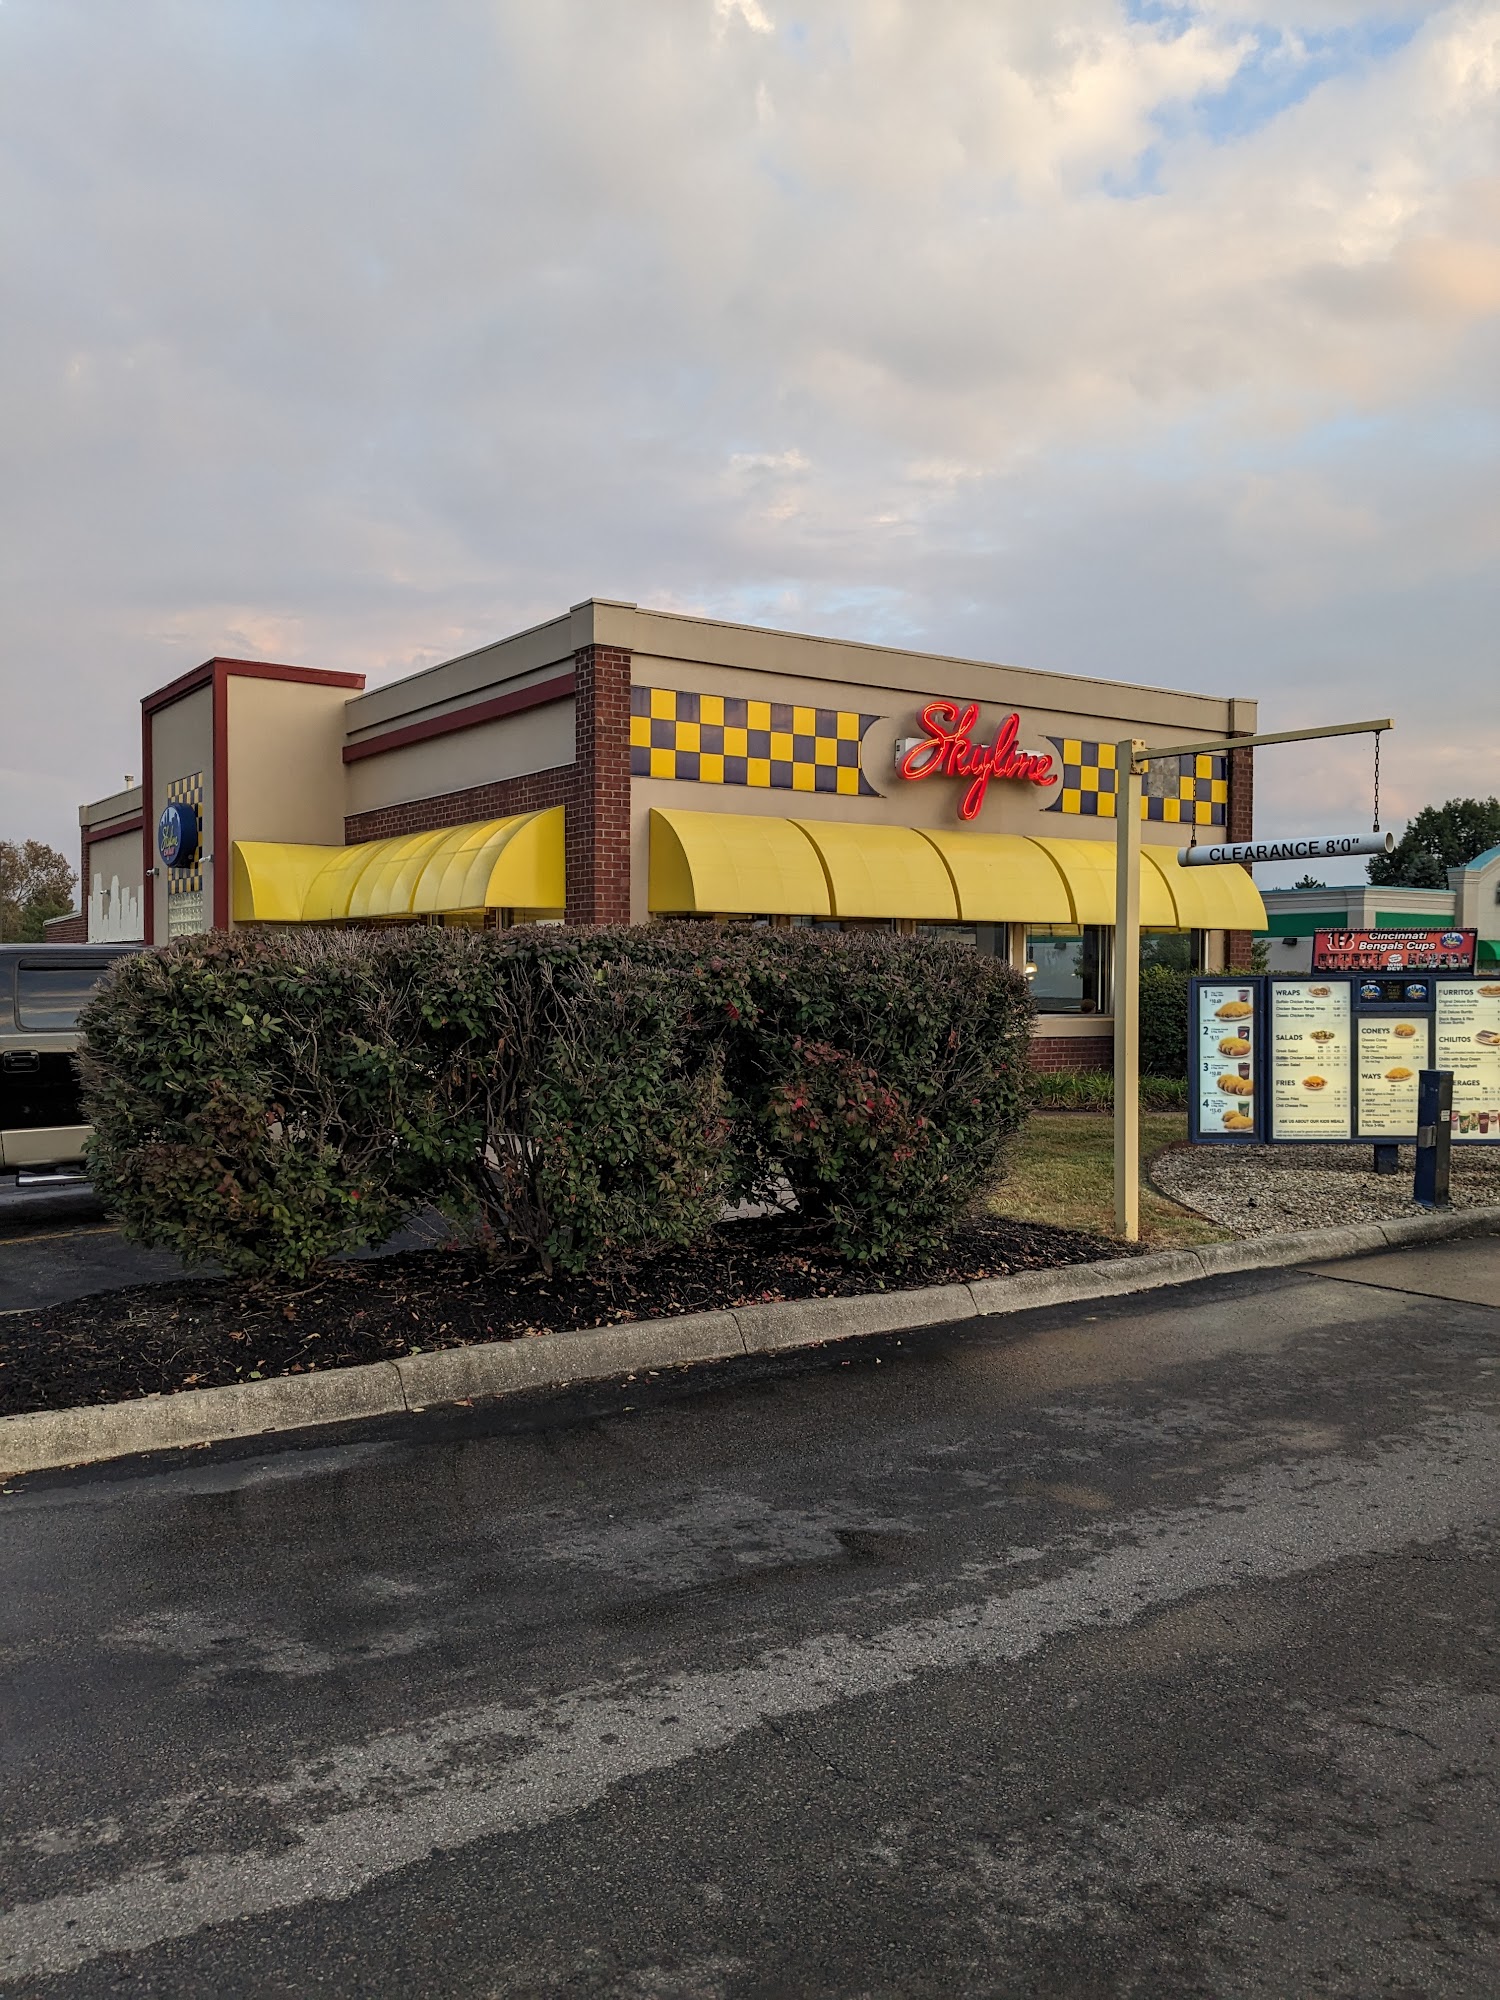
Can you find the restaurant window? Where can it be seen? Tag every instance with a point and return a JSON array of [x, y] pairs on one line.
[[1178, 951], [991, 940], [1072, 968]]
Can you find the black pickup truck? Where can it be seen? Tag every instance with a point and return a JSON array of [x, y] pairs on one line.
[[43, 989]]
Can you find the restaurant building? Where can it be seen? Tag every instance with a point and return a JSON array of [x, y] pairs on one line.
[[1471, 902], [622, 765]]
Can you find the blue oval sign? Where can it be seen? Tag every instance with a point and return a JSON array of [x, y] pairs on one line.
[[177, 835]]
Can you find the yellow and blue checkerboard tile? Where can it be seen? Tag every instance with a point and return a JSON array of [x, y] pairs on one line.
[[188, 792], [713, 739], [1186, 791]]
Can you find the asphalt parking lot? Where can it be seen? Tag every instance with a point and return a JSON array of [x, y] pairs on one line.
[[1144, 1646], [57, 1243]]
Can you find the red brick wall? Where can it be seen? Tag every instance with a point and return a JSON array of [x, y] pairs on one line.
[[599, 822], [531, 793], [67, 930], [1058, 1052], [1241, 826], [595, 789]]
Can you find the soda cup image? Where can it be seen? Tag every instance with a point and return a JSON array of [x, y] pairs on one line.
[[1484, 1123]]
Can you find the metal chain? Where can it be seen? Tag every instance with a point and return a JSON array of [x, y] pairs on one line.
[[1376, 827]]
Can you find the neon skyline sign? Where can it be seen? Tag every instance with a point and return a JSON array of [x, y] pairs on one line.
[[948, 750]]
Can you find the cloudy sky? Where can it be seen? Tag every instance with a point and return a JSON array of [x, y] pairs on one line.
[[1147, 340]]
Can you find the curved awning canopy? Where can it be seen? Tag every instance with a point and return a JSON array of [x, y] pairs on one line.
[[739, 864], [731, 864], [514, 863], [882, 871]]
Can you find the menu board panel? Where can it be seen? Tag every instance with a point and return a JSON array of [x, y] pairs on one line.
[[1225, 1059], [1468, 1043], [1390, 1053], [1311, 1057]]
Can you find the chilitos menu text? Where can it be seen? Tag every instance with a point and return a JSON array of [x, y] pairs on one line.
[[1394, 951]]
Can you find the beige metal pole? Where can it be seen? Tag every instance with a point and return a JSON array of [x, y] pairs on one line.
[[1127, 989], [1131, 757], [1206, 749]]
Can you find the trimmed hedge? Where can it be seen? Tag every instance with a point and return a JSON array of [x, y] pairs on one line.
[[1164, 1021], [583, 1096]]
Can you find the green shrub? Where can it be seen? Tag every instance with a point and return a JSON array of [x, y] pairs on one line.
[[257, 1103], [913, 1059], [1164, 1021], [589, 1096], [585, 1111]]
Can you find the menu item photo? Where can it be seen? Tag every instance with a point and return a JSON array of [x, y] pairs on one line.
[[1311, 1061]]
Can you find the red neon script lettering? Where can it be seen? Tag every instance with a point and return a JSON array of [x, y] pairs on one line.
[[951, 751]]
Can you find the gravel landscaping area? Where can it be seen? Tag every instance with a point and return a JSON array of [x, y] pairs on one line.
[[199, 1334], [1257, 1190]]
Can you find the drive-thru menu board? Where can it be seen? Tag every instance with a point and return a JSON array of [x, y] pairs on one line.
[[1310, 1060], [1468, 1043], [1391, 1051], [1225, 1060]]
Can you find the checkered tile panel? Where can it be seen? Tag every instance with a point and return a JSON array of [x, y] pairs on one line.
[[188, 792], [1187, 791], [711, 739]]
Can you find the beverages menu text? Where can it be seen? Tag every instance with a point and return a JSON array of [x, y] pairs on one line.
[[1468, 1043]]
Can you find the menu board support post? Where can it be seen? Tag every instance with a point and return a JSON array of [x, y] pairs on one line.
[[1127, 989], [1387, 1159], [1434, 1137]]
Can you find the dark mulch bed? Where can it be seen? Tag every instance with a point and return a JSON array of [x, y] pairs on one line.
[[199, 1334]]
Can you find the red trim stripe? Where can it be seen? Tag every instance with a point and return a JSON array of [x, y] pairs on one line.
[[536, 696], [253, 670], [112, 829]]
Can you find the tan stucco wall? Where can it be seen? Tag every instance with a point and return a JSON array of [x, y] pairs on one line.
[[538, 739], [182, 742], [286, 774], [119, 805], [508, 664], [748, 649], [119, 856]]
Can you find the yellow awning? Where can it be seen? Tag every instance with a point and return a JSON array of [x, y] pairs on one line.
[[882, 871], [387, 884], [1003, 878], [743, 864], [1088, 868], [515, 863], [734, 864], [334, 885], [498, 864], [1218, 898], [271, 879]]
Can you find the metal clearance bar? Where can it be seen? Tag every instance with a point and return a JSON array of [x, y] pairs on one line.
[[1132, 757], [1315, 847]]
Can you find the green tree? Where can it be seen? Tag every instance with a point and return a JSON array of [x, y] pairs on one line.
[[1439, 838], [35, 883], [1309, 882]]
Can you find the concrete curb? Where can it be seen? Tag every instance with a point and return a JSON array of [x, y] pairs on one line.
[[40, 1439]]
